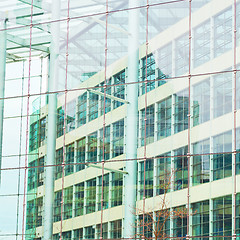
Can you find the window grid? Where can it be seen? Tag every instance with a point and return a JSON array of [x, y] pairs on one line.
[[92, 147], [149, 125], [148, 179], [201, 163], [222, 217], [150, 73], [90, 196], [181, 168], [117, 189], [68, 203], [222, 162], [81, 154], [79, 199], [82, 110], [201, 100], [116, 229], [164, 118], [105, 192], [200, 220], [181, 111], [118, 138]]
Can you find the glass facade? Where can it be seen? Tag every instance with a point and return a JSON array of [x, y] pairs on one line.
[[92, 125]]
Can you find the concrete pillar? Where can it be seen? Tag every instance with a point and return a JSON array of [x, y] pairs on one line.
[[52, 119], [130, 179]]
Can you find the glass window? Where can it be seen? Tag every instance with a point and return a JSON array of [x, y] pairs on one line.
[[32, 175], [81, 154], [40, 171], [200, 219], [238, 214], [117, 188], [60, 121], [223, 32], [103, 192], [201, 102], [33, 138], [164, 177], [68, 200], [59, 160], [57, 206], [67, 235], [42, 131], [71, 115], [238, 149], [92, 147], [181, 111], [149, 133], [39, 211], [119, 88], [202, 44], [222, 98], [69, 159], [148, 179], [31, 211], [107, 100], [106, 144], [78, 234], [118, 138], [82, 109], [222, 162], [56, 236], [91, 196], [148, 63], [238, 89], [180, 222], [162, 224], [182, 55], [222, 217], [146, 226], [89, 232], [93, 106], [164, 118], [104, 231], [163, 58], [201, 162], [116, 229], [238, 24], [79, 199], [181, 168]]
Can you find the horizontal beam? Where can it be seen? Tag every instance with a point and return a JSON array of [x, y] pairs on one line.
[[37, 4], [27, 22], [37, 43], [107, 169], [108, 96], [13, 57]]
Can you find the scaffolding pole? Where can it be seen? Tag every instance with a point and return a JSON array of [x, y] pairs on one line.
[[52, 117], [3, 44], [131, 122]]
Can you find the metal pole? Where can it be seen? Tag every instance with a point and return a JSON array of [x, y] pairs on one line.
[[3, 43], [52, 117], [131, 122]]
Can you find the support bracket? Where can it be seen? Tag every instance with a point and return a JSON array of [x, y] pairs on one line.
[[108, 96], [107, 169]]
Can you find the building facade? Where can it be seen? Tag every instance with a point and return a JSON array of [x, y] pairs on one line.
[[188, 139]]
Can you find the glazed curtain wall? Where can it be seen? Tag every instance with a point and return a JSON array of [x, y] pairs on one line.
[[188, 133]]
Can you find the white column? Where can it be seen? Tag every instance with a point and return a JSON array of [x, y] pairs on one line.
[[52, 117], [130, 179]]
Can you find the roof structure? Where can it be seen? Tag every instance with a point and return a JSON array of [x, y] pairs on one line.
[[87, 29]]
